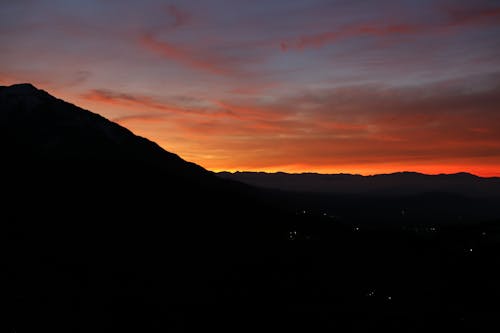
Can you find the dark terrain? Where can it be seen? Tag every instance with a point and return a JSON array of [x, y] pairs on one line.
[[395, 184], [106, 231], [397, 200]]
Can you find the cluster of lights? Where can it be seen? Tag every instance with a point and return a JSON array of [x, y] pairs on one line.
[[372, 293]]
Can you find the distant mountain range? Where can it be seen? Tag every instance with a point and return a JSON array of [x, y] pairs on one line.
[[395, 184]]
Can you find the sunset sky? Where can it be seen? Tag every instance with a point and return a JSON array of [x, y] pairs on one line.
[[291, 85]]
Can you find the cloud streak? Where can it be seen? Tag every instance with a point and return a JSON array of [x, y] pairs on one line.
[[150, 103], [451, 17], [324, 38], [190, 58], [473, 16]]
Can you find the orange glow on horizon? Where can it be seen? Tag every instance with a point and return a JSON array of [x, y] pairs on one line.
[[231, 137], [213, 140]]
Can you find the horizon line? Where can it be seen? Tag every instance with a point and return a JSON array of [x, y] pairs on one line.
[[234, 171]]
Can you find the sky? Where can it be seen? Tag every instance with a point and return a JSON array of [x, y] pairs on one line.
[[331, 86]]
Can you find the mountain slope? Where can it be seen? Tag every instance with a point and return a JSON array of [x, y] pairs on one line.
[[62, 162], [95, 216], [36, 125]]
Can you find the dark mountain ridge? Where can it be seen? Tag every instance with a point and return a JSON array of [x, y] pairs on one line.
[[400, 183], [398, 199], [36, 125]]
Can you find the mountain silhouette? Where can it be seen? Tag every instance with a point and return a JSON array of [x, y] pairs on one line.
[[398, 199], [80, 161], [38, 126], [106, 231], [400, 183], [91, 209]]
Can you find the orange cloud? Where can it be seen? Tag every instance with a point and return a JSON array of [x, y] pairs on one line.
[[147, 118], [249, 110], [123, 99], [148, 102]]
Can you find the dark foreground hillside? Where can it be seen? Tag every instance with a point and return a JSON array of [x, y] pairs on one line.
[[105, 231]]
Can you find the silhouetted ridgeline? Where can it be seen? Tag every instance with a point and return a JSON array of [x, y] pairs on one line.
[[398, 199], [396, 184], [106, 231]]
